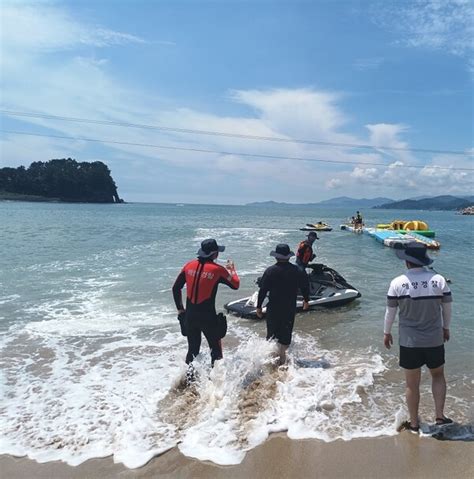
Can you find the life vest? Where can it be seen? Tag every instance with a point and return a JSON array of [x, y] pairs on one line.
[[305, 252]]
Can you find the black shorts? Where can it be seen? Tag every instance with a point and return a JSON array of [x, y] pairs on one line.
[[280, 329], [414, 358]]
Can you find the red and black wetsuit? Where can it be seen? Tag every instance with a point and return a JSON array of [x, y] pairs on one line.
[[202, 277]]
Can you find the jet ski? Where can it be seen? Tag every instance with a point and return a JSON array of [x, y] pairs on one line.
[[319, 226], [327, 288]]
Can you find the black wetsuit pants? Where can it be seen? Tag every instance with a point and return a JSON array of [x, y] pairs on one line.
[[205, 323], [280, 326]]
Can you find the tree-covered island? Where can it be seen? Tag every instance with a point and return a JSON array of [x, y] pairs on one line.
[[59, 180]]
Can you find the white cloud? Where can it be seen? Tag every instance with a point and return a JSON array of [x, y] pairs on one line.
[[365, 174], [15, 152], [334, 183], [445, 25], [388, 135], [299, 112], [84, 87], [404, 182], [45, 27]]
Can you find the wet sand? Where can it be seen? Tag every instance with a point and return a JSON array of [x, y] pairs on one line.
[[402, 456]]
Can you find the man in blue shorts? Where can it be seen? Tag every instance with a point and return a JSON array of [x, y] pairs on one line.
[[424, 300]]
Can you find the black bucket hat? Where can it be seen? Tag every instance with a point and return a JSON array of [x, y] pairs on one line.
[[282, 251], [209, 247], [415, 253], [313, 234]]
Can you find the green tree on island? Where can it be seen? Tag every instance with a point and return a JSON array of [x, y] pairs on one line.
[[64, 179]]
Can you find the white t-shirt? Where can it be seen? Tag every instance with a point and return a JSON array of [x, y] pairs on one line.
[[419, 294]]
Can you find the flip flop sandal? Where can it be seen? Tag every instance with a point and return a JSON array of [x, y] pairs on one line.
[[408, 427], [441, 421]]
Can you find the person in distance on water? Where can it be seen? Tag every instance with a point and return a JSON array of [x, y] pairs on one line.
[[202, 276], [424, 301], [305, 252], [282, 281], [358, 222]]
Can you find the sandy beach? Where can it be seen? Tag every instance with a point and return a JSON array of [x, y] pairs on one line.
[[405, 455]]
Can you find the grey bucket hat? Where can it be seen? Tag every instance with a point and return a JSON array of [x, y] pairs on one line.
[[415, 253], [282, 251]]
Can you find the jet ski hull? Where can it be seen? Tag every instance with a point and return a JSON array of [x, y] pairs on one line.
[[325, 228], [316, 227], [327, 289]]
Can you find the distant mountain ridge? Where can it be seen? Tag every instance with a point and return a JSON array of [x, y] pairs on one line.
[[444, 202], [335, 202], [355, 202]]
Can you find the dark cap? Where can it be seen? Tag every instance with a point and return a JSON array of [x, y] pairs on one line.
[[209, 247], [415, 253], [313, 234], [282, 251]]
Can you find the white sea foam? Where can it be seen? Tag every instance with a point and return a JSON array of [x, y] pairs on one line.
[[71, 399], [9, 298], [93, 366], [93, 361], [254, 238]]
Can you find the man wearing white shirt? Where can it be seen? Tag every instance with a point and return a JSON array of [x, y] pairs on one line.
[[424, 301]]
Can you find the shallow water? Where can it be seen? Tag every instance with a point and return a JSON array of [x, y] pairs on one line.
[[93, 361]]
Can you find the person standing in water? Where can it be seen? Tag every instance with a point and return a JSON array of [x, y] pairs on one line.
[[305, 252], [424, 300], [358, 221], [202, 276], [282, 281]]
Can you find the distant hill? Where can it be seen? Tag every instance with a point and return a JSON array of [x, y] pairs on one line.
[[333, 202], [270, 203], [445, 202], [59, 180], [355, 202]]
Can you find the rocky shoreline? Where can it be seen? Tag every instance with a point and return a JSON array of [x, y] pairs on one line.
[[467, 211]]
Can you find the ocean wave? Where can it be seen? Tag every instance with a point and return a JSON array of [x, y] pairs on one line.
[[10, 298], [72, 398]]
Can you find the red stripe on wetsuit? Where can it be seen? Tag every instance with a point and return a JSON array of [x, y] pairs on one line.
[[201, 279]]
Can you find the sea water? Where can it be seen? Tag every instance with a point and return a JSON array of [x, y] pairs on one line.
[[93, 359]]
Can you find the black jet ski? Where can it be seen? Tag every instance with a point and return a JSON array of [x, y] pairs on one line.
[[327, 289]]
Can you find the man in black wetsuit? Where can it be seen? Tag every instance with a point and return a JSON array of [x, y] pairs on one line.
[[282, 281]]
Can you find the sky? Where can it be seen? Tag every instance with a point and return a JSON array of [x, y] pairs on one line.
[[391, 74]]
